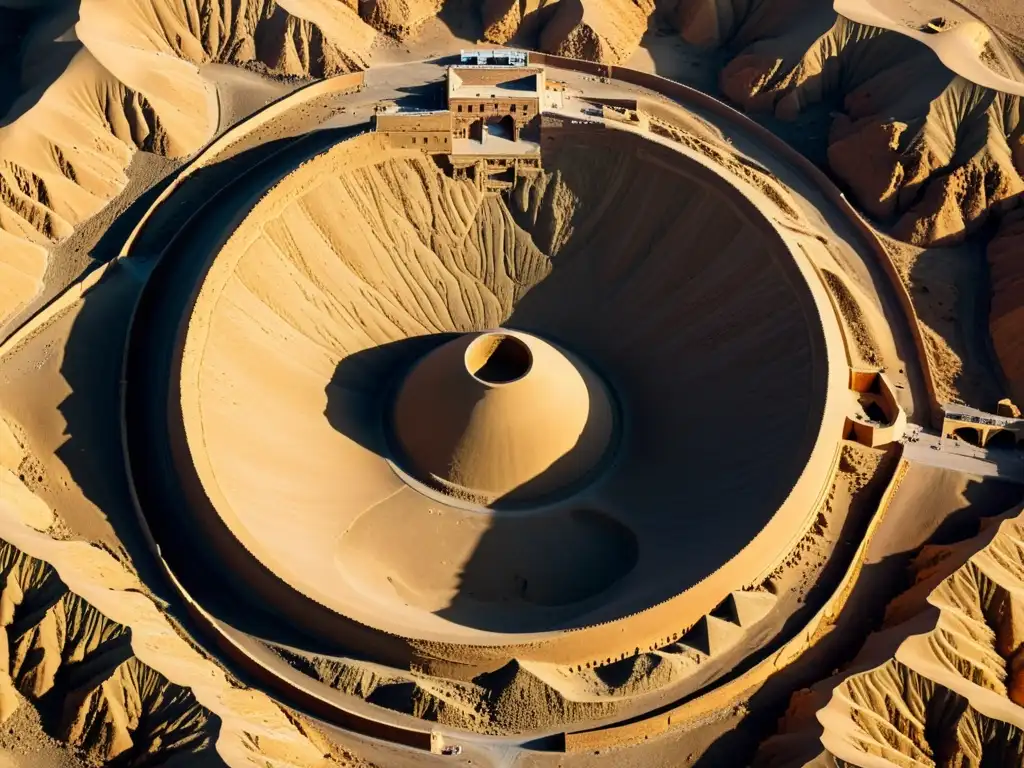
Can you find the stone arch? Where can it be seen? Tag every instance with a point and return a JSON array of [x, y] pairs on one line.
[[500, 126], [968, 435]]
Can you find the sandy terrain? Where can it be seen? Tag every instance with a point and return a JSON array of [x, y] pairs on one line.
[[960, 658], [527, 295], [314, 453]]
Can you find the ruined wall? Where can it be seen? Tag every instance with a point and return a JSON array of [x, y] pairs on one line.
[[428, 132]]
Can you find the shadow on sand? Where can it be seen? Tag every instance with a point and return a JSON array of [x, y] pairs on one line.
[[533, 569]]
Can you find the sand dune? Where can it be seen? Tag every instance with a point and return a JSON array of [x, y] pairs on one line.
[[50, 183], [66, 156], [131, 83], [307, 38], [961, 40], [21, 272]]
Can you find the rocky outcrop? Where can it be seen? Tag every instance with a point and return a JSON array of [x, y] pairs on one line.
[[607, 31], [934, 160], [952, 692], [55, 645], [504, 20], [398, 18], [82, 98]]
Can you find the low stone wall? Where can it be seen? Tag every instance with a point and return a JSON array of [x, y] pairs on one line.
[[431, 132]]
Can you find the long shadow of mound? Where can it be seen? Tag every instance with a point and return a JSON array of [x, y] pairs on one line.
[[181, 239], [533, 569]]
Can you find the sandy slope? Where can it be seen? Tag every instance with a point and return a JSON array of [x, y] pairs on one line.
[[132, 84], [309, 38], [951, 693], [1006, 319], [961, 40], [65, 156], [330, 306]]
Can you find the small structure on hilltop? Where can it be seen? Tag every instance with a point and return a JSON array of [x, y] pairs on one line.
[[490, 129]]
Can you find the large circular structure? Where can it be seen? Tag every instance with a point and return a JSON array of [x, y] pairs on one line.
[[421, 422]]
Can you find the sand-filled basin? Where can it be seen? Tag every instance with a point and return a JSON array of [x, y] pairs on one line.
[[484, 421]]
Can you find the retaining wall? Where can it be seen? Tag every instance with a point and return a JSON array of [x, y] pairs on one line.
[[737, 690]]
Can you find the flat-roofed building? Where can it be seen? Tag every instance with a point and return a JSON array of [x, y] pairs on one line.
[[493, 99], [429, 131]]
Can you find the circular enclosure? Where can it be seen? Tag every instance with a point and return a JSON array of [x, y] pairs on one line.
[[482, 421]]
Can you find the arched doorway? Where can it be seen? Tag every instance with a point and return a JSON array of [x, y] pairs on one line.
[[968, 435], [500, 128]]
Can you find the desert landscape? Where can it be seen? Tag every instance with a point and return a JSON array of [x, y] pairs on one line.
[[511, 383]]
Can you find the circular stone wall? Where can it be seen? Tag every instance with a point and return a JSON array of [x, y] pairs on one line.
[[667, 439]]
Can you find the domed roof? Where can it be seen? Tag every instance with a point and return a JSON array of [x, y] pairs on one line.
[[501, 415]]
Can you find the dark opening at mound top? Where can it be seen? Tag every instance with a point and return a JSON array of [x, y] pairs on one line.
[[497, 358], [501, 415]]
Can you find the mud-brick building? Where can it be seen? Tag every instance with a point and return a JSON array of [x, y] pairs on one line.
[[429, 131], [493, 100]]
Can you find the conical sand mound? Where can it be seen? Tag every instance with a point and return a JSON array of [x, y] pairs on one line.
[[502, 415]]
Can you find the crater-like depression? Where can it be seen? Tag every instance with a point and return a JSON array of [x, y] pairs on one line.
[[483, 419]]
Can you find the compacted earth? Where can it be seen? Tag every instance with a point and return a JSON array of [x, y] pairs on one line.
[[319, 449]]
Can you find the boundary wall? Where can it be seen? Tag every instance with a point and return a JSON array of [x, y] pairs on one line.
[[691, 97], [735, 691]]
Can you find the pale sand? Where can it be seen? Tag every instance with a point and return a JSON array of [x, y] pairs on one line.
[[246, 315], [142, 81]]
